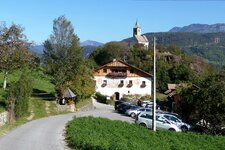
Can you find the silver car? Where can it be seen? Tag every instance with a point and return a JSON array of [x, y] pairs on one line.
[[145, 119], [177, 121], [133, 112]]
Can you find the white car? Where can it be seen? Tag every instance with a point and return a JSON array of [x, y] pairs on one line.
[[145, 119], [145, 103], [137, 110]]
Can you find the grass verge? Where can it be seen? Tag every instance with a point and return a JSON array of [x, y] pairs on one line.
[[101, 134], [83, 103]]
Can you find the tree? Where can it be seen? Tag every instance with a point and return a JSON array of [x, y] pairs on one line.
[[207, 103], [63, 57], [110, 51], [14, 51], [62, 54], [83, 83]]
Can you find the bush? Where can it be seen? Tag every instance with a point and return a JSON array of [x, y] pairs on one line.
[[100, 98], [103, 134], [18, 99]]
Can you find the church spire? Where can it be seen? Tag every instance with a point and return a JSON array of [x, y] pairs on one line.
[[136, 29], [137, 24]]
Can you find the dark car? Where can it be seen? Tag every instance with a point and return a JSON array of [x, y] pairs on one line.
[[117, 103], [122, 108]]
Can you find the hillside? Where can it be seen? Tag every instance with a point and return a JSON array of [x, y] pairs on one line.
[[200, 28], [210, 46]]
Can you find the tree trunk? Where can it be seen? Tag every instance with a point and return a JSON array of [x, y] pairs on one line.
[[11, 108], [5, 79]]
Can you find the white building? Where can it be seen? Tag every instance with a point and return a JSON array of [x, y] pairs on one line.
[[138, 38], [118, 78]]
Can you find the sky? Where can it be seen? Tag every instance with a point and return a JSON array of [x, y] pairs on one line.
[[108, 20]]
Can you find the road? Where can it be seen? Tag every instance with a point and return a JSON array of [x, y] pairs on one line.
[[47, 133]]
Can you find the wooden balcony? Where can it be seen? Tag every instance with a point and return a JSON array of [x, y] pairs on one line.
[[117, 75]]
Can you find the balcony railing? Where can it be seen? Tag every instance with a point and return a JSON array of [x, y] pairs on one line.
[[117, 74]]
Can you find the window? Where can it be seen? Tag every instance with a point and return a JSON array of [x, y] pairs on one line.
[[148, 110], [121, 83], [143, 85], [105, 70], [149, 116], [130, 84], [104, 83]]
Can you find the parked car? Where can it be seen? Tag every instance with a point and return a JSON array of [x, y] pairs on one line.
[[122, 108], [145, 119], [151, 105], [176, 119], [133, 112], [118, 103], [145, 103]]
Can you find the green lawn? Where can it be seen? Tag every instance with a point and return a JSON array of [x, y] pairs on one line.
[[102, 134]]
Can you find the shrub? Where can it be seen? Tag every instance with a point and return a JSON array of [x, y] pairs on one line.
[[18, 99], [100, 98]]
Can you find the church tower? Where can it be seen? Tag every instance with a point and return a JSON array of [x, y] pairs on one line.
[[136, 29]]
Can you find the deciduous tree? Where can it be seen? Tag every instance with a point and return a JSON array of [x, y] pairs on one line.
[[63, 57], [14, 51]]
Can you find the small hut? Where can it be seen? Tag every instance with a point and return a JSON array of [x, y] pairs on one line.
[[68, 97]]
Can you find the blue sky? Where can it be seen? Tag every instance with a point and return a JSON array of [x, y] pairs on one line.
[[108, 20]]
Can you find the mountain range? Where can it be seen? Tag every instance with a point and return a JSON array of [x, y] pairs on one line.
[[88, 47], [200, 28]]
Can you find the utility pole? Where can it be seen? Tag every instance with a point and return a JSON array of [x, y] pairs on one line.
[[154, 86]]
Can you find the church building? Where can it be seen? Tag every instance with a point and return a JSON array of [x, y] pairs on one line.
[[138, 38]]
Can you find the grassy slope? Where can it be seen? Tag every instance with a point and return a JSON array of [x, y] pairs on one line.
[[99, 133], [43, 94], [42, 101]]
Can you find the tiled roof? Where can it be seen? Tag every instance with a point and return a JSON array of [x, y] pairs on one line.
[[141, 38]]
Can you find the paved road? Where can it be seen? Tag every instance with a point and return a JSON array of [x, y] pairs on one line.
[[47, 133]]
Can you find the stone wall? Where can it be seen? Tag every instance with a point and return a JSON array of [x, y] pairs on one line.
[[3, 118]]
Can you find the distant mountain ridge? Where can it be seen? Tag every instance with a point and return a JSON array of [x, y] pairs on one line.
[[200, 28], [88, 47], [91, 43], [37, 49]]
